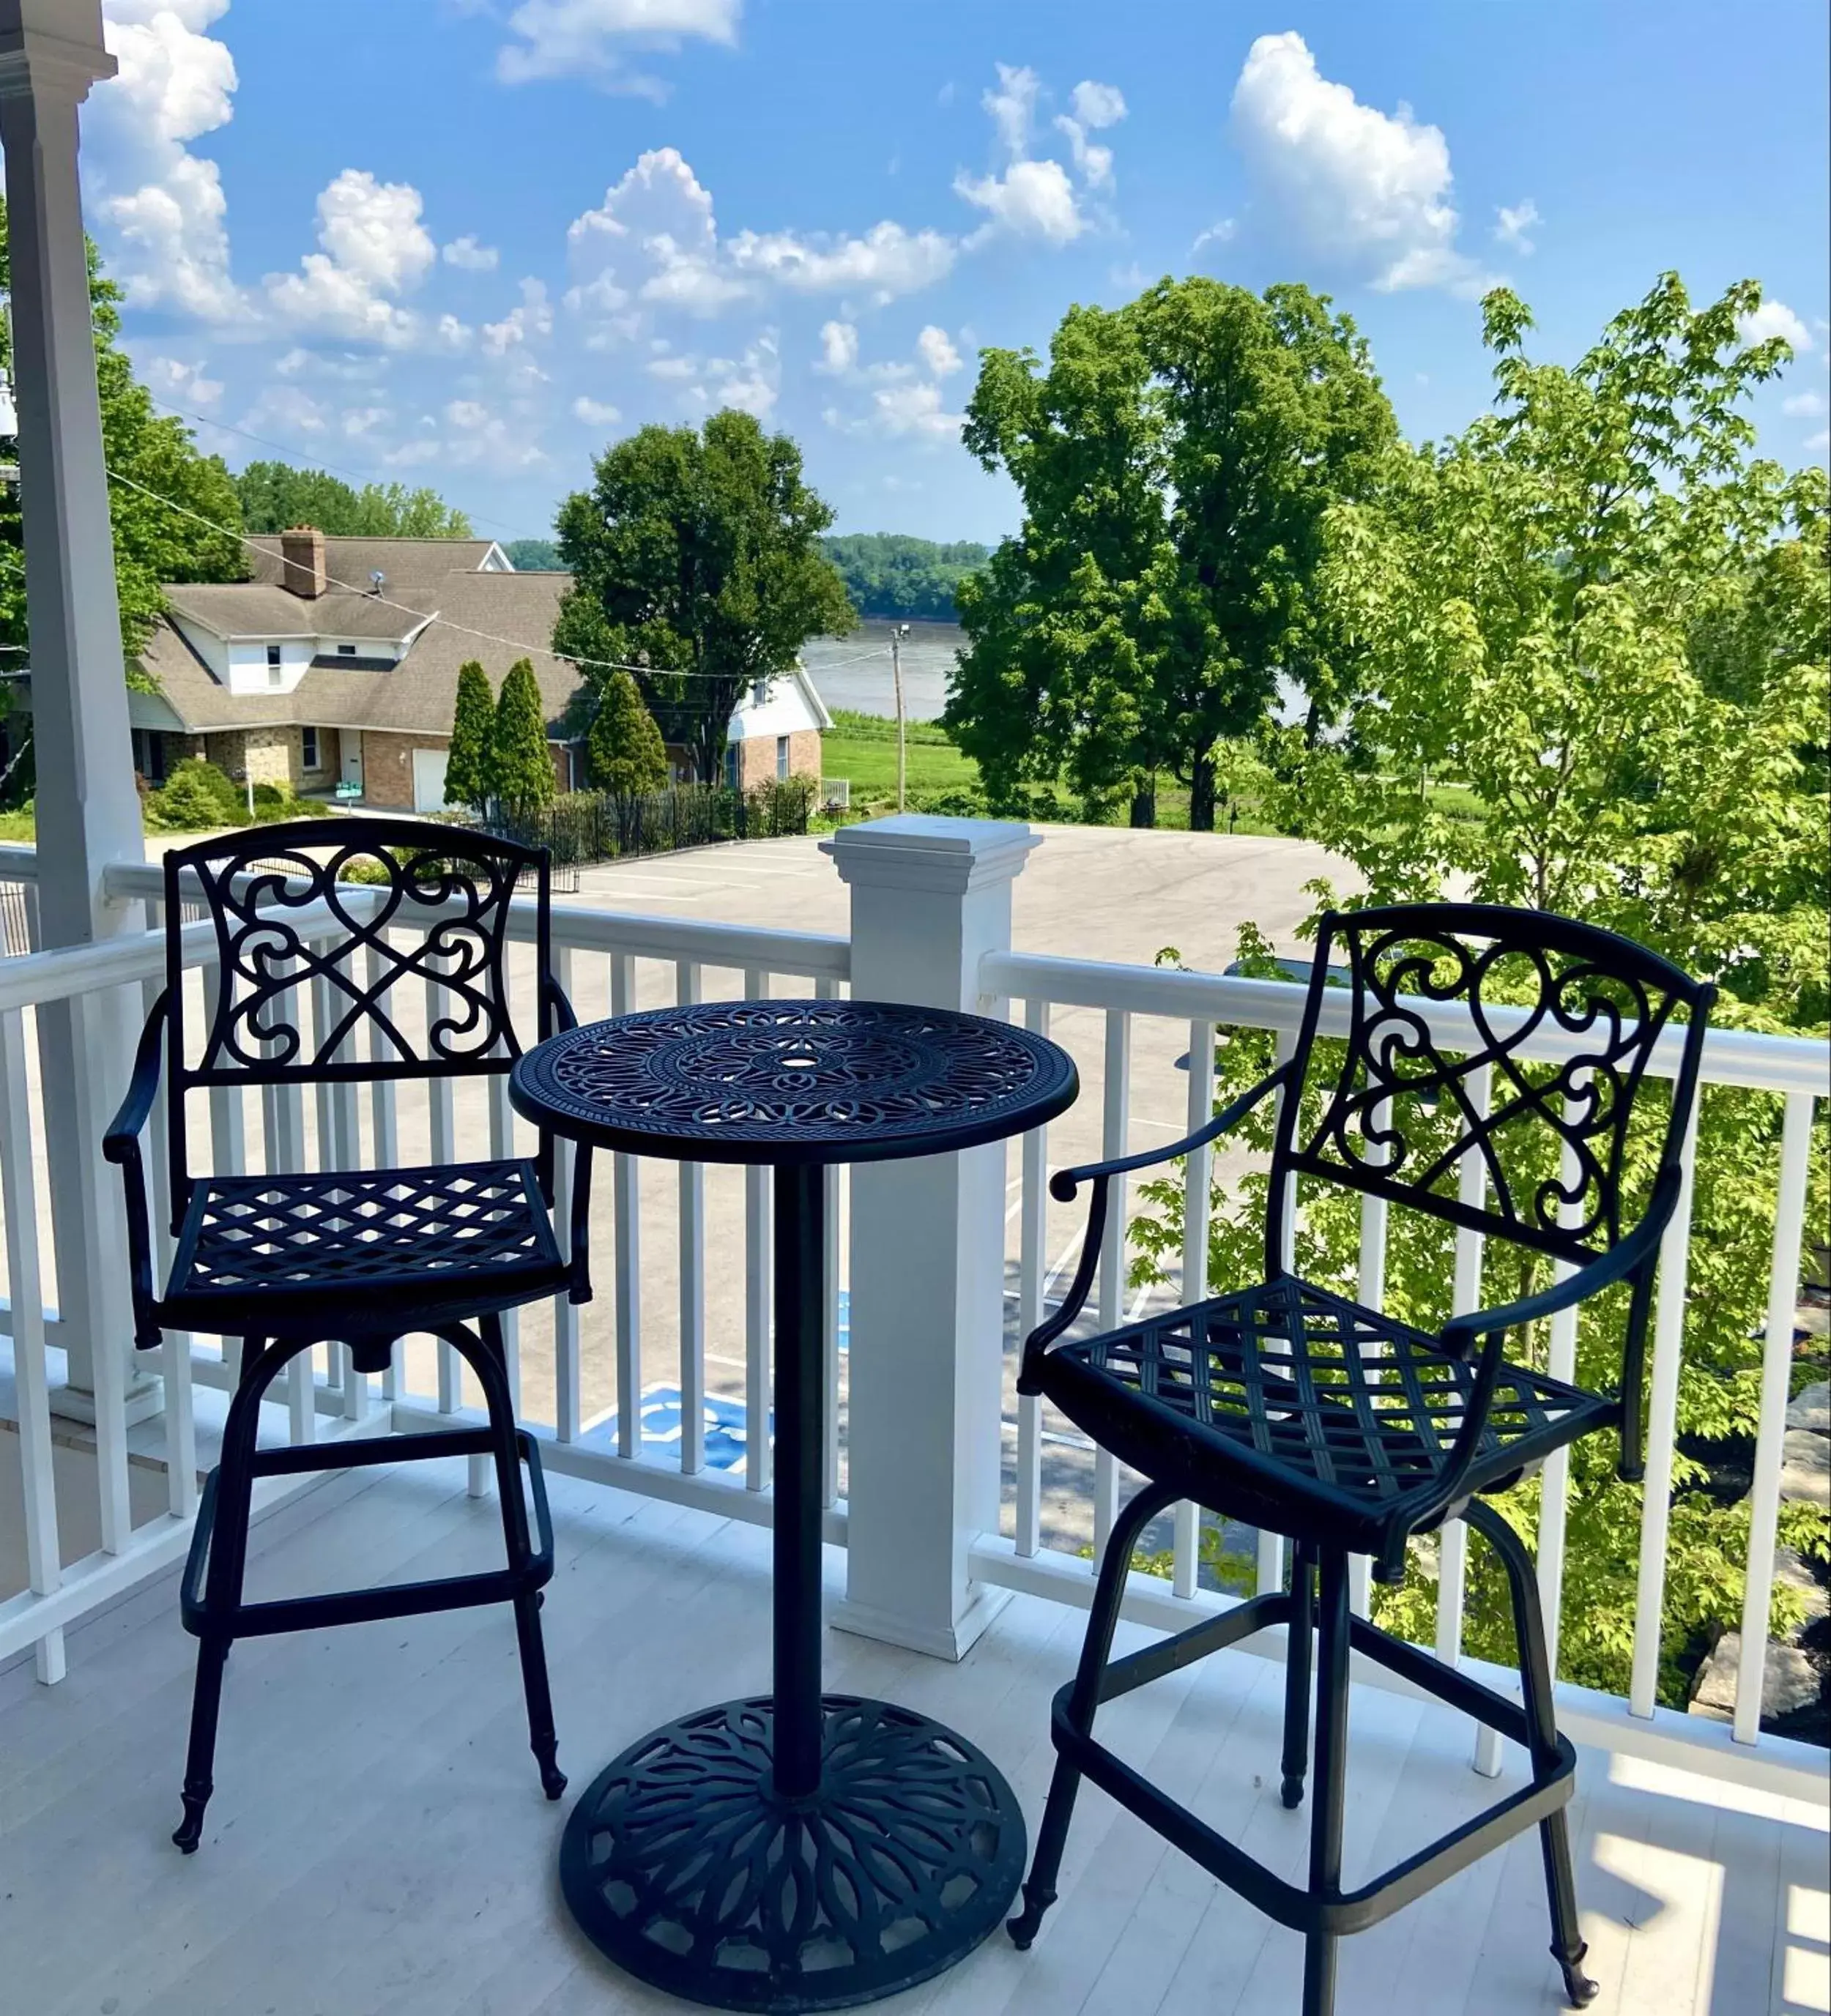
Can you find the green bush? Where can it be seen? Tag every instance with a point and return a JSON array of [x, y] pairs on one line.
[[196, 798]]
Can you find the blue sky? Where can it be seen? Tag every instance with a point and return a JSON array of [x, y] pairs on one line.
[[467, 241]]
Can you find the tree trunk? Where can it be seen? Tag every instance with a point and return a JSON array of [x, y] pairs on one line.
[[1202, 793], [1144, 804], [1312, 724]]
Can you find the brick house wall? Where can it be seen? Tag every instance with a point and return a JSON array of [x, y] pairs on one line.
[[267, 755], [756, 758], [388, 765]]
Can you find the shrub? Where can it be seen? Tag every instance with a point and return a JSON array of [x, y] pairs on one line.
[[195, 797]]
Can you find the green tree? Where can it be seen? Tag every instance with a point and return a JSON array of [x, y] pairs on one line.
[[1176, 459], [890, 573], [695, 555], [472, 727], [275, 495], [534, 556], [518, 775], [156, 467], [628, 756], [1602, 612]]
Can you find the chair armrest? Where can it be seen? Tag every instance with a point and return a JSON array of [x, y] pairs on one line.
[[122, 1139], [558, 1003], [1460, 1333], [1631, 1258], [120, 1145], [1064, 1183]]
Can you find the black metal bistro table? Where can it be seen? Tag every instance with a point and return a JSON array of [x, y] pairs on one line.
[[798, 1850]]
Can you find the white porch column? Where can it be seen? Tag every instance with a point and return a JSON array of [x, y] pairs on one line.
[[929, 898], [51, 52]]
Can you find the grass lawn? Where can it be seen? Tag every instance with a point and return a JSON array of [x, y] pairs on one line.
[[863, 748]]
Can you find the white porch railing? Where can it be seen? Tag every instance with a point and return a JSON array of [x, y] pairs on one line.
[[571, 1376]]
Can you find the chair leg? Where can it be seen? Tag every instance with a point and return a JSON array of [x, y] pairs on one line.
[[1109, 1592], [1568, 1945], [1331, 1761], [1297, 1757], [222, 1590], [542, 1737]]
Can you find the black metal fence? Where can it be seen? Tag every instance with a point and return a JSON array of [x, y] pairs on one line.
[[583, 827]]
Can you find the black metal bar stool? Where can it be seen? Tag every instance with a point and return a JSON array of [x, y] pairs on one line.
[[287, 1261], [1293, 1409]]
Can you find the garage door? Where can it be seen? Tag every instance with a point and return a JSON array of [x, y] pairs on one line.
[[429, 780]]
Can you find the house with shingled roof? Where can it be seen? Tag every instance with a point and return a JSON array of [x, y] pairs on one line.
[[336, 663]]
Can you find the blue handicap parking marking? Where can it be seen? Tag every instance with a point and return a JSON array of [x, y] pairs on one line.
[[844, 1319], [725, 1422]]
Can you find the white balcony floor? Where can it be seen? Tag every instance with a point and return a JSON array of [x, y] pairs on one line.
[[377, 1841]]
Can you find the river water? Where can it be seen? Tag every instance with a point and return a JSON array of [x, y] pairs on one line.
[[854, 671]]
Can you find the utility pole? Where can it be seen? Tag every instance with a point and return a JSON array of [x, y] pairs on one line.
[[898, 632]]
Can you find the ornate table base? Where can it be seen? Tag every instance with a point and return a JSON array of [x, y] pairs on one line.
[[684, 1865]]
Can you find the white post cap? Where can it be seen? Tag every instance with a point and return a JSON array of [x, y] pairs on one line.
[[924, 851]]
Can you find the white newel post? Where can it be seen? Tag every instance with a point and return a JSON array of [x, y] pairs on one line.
[[51, 52], [930, 896]]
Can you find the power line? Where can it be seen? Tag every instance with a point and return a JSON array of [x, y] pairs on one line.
[[422, 616], [331, 468]]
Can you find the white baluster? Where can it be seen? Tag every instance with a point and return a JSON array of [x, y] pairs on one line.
[[692, 1182], [626, 1216], [1186, 1557], [1034, 1208], [759, 1297], [1115, 1125], [1763, 1504], [567, 1404]]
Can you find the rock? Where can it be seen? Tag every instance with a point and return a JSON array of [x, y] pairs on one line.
[[1789, 1680], [1805, 1467], [1792, 1569], [1811, 1407]]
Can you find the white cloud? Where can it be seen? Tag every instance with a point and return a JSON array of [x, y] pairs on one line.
[[375, 248], [1358, 189], [165, 204], [1817, 443], [1219, 233], [467, 254], [1511, 224], [588, 37], [1096, 106], [914, 410], [1804, 405], [838, 346], [1013, 107], [478, 436], [358, 422], [655, 240], [534, 318], [1031, 199], [1774, 318], [937, 351], [887, 261], [595, 413], [180, 384]]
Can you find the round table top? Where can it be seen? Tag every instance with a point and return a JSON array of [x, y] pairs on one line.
[[793, 1081]]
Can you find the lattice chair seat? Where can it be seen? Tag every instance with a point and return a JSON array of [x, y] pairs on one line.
[[296, 1246], [1288, 1392]]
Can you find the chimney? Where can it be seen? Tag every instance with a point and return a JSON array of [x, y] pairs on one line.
[[301, 552]]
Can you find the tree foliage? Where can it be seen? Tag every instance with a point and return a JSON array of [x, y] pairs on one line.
[[1176, 459], [1603, 612], [533, 556], [892, 574], [518, 771], [696, 555], [153, 542], [472, 726], [275, 495], [627, 754]]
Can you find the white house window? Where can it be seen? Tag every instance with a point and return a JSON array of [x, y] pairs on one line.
[[781, 755], [309, 748], [274, 674], [759, 691]]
